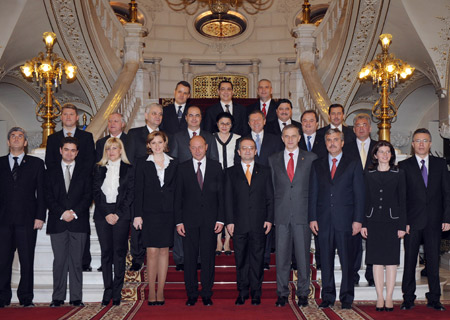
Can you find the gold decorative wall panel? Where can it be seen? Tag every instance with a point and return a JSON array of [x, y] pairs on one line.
[[206, 86]]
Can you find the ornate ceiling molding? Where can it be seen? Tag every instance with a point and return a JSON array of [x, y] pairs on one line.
[[441, 53]]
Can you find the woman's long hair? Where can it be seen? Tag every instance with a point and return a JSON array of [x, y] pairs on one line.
[[113, 141], [374, 161]]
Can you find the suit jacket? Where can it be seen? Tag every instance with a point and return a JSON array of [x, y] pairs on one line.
[[124, 198], [248, 206], [427, 205], [352, 150], [195, 207], [170, 123], [86, 149], [270, 144], [240, 118], [349, 135], [100, 144], [79, 199], [291, 198], [274, 127], [152, 201], [336, 203], [137, 143], [318, 147], [271, 113], [22, 201], [179, 146]]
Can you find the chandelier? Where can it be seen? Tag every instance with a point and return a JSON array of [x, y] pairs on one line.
[[385, 72], [220, 7]]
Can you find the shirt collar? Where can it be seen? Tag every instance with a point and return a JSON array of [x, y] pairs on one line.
[[65, 131], [267, 103], [338, 157], [118, 136], [295, 152], [338, 127], [150, 130]]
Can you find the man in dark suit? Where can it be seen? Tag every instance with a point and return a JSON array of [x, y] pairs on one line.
[[312, 142], [290, 172], [22, 213], [68, 195], [265, 104], [249, 217], [361, 149], [86, 155], [336, 114], [428, 215], [284, 117], [226, 105], [199, 216], [174, 114], [116, 124], [336, 208], [136, 148]]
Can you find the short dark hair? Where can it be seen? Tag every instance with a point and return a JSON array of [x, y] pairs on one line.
[[225, 115], [184, 84], [256, 111], [422, 130], [376, 147], [334, 130], [72, 140], [284, 101], [69, 106], [246, 139], [17, 129], [193, 106], [310, 111], [336, 105], [225, 81]]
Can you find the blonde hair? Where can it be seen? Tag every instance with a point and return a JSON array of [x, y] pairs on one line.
[[111, 141]]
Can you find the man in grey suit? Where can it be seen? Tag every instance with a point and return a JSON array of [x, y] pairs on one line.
[[290, 175]]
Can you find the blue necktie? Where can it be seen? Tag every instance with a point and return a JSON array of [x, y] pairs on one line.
[[423, 169], [180, 113], [309, 143], [258, 143]]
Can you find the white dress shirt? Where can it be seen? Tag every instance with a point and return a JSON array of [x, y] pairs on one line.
[[65, 131], [427, 160], [334, 127], [280, 123], [244, 166], [202, 166], [160, 171], [191, 133], [330, 160], [287, 157], [313, 138], [230, 106]]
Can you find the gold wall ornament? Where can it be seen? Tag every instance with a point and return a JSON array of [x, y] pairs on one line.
[[219, 6], [48, 70], [385, 72], [306, 10], [206, 86]]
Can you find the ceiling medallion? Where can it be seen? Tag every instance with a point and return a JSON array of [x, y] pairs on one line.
[[220, 26]]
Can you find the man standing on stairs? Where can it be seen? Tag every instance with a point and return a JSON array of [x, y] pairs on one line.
[[249, 218], [265, 104], [427, 216], [174, 115], [199, 216], [290, 176], [136, 148], [336, 114], [116, 124], [336, 209]]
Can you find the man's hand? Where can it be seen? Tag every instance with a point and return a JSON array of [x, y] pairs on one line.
[[401, 234], [137, 223], [356, 227], [38, 224], [218, 227], [267, 226], [408, 228], [112, 218], [230, 228], [445, 226], [180, 230], [314, 227], [68, 216], [364, 232]]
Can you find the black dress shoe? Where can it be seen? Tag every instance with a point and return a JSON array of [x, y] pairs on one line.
[[436, 306], [87, 268], [228, 253], [191, 302], [407, 305], [77, 303], [151, 303], [266, 266], [380, 309], [256, 301], [160, 303], [105, 303], [28, 304], [116, 302], [179, 267], [281, 301], [207, 301], [302, 301], [346, 305], [388, 309], [371, 283], [99, 269], [56, 303], [240, 300], [218, 253], [135, 266], [326, 304]]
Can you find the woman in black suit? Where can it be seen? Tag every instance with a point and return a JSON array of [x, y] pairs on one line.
[[113, 196], [385, 219], [155, 186]]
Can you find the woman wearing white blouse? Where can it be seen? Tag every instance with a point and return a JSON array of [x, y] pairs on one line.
[[153, 210], [113, 195]]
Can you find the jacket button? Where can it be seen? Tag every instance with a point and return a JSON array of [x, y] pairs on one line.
[[381, 190], [380, 207], [381, 199]]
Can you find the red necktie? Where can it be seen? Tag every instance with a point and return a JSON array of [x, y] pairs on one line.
[[194, 134], [264, 109], [200, 176], [333, 167], [290, 167]]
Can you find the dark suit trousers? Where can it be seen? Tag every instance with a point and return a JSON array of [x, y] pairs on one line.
[[177, 250], [432, 241], [202, 238], [249, 256], [329, 241], [68, 250], [114, 244], [22, 238], [137, 249], [268, 245], [357, 255]]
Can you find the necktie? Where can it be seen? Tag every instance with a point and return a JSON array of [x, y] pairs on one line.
[[258, 143], [67, 177], [180, 113], [290, 167], [363, 155], [248, 174], [194, 134], [199, 176], [423, 169], [264, 109], [333, 167], [284, 124], [227, 107], [15, 169], [69, 134], [308, 144]]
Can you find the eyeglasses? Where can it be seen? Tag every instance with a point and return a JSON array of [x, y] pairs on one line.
[[248, 148], [421, 140]]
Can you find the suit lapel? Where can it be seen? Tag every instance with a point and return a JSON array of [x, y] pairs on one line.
[[341, 167], [281, 166], [299, 165], [326, 168], [168, 173]]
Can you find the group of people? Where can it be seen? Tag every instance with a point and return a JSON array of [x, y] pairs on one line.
[[251, 174]]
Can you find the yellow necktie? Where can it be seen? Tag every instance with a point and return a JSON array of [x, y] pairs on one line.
[[69, 134], [363, 155], [248, 174]]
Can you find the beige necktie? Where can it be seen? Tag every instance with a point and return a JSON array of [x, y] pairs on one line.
[[67, 177], [69, 134], [363, 155], [248, 174]]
